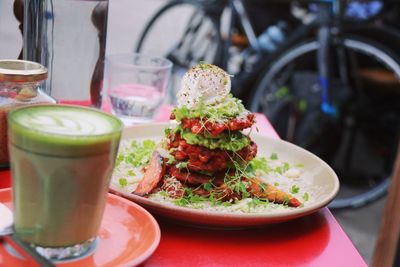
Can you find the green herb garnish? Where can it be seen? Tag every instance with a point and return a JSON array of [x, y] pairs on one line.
[[285, 201], [231, 107], [131, 173], [138, 154], [208, 186], [204, 65], [295, 189], [123, 182], [257, 202], [258, 164], [182, 165], [285, 167], [232, 141], [190, 198]]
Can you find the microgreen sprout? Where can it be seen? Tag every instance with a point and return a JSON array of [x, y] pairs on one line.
[[295, 189], [274, 156], [123, 182]]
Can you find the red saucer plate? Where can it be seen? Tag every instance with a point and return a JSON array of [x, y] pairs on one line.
[[128, 236]]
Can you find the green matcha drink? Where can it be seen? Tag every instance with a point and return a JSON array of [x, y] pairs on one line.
[[61, 158]]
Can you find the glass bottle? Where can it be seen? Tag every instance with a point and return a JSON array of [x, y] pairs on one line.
[[20, 85]]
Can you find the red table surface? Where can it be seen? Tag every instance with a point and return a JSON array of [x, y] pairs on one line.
[[314, 240]]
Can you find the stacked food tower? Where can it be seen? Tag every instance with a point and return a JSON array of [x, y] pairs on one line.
[[207, 154]]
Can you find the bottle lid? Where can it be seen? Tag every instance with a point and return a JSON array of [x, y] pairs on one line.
[[14, 70]]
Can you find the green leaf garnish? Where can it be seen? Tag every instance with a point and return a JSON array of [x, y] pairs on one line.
[[295, 189], [208, 186], [273, 156], [258, 164], [123, 182], [255, 202], [138, 154], [164, 193], [285, 201], [232, 141], [190, 198], [119, 160], [204, 65], [279, 170], [131, 173], [181, 165], [285, 167], [231, 107]]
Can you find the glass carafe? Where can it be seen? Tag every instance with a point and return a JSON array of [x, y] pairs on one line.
[[69, 38]]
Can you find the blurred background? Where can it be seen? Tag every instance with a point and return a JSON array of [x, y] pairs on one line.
[[326, 75]]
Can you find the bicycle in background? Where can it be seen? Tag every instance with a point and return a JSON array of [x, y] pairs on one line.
[[330, 85]]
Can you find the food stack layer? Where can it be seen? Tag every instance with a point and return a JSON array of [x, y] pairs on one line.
[[207, 154], [208, 151]]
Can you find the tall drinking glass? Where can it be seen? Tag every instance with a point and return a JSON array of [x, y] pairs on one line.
[[136, 86], [62, 159]]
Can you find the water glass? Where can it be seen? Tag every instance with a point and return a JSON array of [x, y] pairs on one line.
[[136, 86]]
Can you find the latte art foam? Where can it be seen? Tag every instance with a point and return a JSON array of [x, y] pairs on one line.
[[66, 122], [63, 130]]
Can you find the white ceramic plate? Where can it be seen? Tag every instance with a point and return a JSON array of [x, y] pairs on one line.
[[317, 173], [6, 217]]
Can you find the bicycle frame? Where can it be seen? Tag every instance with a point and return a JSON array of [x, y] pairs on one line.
[[329, 16], [238, 7], [325, 20], [327, 24]]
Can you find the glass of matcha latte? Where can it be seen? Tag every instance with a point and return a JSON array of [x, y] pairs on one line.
[[62, 159]]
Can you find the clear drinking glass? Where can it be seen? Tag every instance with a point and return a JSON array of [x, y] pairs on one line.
[[136, 86], [62, 159]]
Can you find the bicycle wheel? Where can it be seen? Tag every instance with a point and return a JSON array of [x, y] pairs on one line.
[[360, 141], [185, 33]]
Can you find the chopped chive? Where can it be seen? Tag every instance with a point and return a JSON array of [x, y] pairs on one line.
[[274, 156], [295, 189], [123, 182]]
